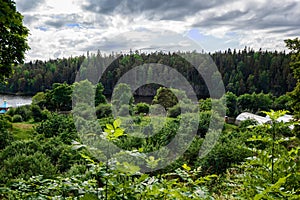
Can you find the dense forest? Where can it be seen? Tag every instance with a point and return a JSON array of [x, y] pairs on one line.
[[243, 71]]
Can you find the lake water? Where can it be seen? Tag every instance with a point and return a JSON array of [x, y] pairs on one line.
[[15, 101]]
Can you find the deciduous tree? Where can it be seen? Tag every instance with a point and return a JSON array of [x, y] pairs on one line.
[[13, 42]]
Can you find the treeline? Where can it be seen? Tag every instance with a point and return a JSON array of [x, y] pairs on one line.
[[243, 71], [37, 76]]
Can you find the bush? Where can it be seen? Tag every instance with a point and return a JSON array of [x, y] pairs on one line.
[[142, 108], [58, 125], [175, 111], [11, 112], [282, 103], [165, 97], [36, 113], [60, 154], [25, 166], [7, 118], [45, 114], [245, 124], [24, 111], [103, 111], [204, 122], [4, 122], [5, 135], [17, 118], [227, 152]]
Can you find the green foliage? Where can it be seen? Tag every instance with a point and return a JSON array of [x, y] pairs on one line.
[[5, 135], [17, 118], [4, 122], [175, 111], [231, 102], [13, 38], [294, 46], [58, 125], [103, 111], [245, 102], [113, 132], [39, 99], [205, 104], [23, 159], [165, 97], [282, 103], [24, 111], [204, 122], [226, 153], [25, 166], [276, 172], [242, 71], [254, 102], [142, 108], [101, 182], [61, 96], [244, 125], [122, 97], [61, 155], [99, 97], [37, 114], [260, 162]]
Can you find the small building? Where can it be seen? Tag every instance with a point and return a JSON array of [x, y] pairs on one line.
[[4, 107], [249, 116]]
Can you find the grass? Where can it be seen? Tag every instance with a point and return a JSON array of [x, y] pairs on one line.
[[22, 131]]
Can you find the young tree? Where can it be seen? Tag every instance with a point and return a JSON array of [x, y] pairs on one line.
[[60, 97], [13, 42], [165, 97], [99, 97]]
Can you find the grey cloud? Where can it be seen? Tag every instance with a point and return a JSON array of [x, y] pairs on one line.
[[28, 5], [152, 9], [283, 30], [71, 42], [106, 46], [29, 19], [58, 21], [266, 16], [167, 41]]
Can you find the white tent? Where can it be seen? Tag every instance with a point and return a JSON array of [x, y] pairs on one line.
[[249, 116], [285, 119]]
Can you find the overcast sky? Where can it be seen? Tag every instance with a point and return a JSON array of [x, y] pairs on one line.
[[61, 28]]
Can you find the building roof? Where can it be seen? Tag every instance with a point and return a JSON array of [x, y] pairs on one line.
[[249, 116]]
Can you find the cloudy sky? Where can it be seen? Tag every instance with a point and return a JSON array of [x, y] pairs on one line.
[[61, 28]]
